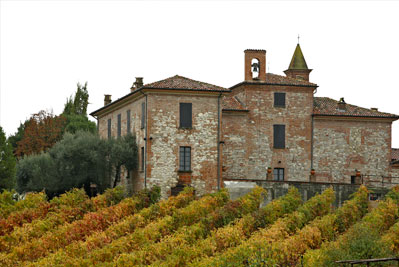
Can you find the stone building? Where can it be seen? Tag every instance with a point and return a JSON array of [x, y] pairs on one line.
[[268, 127]]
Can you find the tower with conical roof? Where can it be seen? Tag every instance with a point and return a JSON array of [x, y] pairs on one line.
[[298, 68]]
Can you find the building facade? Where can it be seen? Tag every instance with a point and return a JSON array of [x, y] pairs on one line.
[[268, 127]]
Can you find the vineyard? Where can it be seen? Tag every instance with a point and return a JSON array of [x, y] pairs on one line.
[[142, 230]]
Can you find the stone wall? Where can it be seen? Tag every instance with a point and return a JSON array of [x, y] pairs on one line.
[[342, 146], [307, 190], [167, 137], [249, 139]]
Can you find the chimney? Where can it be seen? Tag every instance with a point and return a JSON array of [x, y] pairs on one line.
[[107, 99], [137, 84], [342, 104], [375, 109]]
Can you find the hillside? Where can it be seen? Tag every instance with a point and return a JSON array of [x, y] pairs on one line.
[[110, 230]]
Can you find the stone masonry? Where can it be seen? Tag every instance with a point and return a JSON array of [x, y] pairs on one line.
[[268, 127]]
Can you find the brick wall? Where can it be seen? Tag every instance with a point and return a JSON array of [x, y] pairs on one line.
[[249, 139]]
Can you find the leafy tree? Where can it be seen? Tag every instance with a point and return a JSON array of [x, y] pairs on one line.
[[7, 163], [78, 105], [78, 160], [41, 132], [75, 112], [124, 154], [16, 137]]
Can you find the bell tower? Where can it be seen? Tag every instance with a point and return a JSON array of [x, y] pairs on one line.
[[255, 65], [298, 68]]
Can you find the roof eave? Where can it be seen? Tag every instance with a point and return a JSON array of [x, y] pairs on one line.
[[278, 84]]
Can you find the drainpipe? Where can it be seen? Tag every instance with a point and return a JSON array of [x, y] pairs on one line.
[[146, 140], [218, 141], [311, 144]]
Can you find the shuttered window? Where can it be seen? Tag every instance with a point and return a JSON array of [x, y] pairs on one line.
[[279, 99], [109, 128], [119, 125], [278, 174], [279, 136], [142, 158], [128, 122], [185, 158], [142, 115], [185, 115]]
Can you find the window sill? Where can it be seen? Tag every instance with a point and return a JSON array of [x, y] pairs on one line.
[[186, 128], [279, 106], [181, 171]]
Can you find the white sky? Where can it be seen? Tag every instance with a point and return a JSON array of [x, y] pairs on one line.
[[46, 47]]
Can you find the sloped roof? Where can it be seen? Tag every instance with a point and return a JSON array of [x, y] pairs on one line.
[[231, 103], [183, 83], [274, 79], [298, 61], [328, 106], [395, 154], [284, 80]]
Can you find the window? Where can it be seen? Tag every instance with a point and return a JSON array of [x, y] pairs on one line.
[[109, 128], [353, 179], [142, 115], [279, 100], [278, 174], [119, 125], [142, 158], [128, 121], [279, 136], [185, 158], [185, 115]]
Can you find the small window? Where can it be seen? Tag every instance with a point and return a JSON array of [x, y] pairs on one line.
[[279, 100], [142, 158], [185, 158], [142, 115], [128, 122], [279, 136], [353, 179], [119, 125], [109, 128], [185, 115], [278, 174]]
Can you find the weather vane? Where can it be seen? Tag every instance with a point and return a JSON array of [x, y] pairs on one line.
[[298, 38]]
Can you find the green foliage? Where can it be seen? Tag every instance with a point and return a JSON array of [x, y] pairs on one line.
[[75, 112], [7, 163], [78, 160], [16, 137], [75, 123], [79, 103]]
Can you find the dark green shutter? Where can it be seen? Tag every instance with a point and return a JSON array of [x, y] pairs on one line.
[[185, 115], [119, 125], [109, 128], [128, 121], [279, 136], [279, 99]]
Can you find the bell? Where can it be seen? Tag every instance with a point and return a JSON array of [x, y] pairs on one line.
[[255, 66]]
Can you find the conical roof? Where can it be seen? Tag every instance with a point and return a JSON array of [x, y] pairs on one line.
[[298, 61]]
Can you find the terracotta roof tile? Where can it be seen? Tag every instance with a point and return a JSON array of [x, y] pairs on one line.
[[395, 154], [329, 107], [232, 103], [283, 80], [183, 83]]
